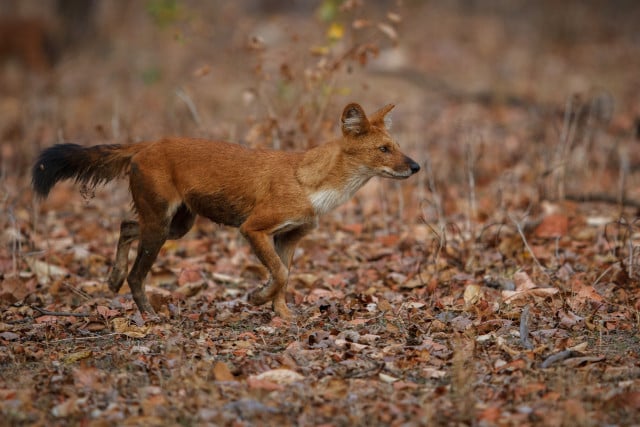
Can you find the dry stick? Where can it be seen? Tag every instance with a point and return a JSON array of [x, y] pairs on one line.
[[526, 245], [524, 328], [557, 357], [603, 198], [59, 313]]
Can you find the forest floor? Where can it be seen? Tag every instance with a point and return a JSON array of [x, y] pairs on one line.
[[499, 286]]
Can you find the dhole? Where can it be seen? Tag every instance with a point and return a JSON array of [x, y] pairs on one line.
[[274, 197]]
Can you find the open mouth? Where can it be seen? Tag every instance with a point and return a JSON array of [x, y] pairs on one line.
[[389, 173]]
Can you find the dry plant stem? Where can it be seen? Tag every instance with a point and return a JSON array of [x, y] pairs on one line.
[[16, 246], [115, 121], [77, 291], [622, 179], [470, 166], [602, 275], [631, 252], [526, 245], [398, 191], [568, 133], [323, 107], [436, 195], [271, 112], [180, 93], [524, 328]]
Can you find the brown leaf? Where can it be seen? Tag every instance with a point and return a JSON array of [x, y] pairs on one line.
[[553, 226], [12, 290], [189, 275], [569, 319], [523, 281], [106, 312], [221, 372], [78, 355], [626, 399], [190, 289], [123, 326]]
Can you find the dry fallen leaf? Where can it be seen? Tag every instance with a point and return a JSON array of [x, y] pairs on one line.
[[45, 271], [191, 289], [74, 357], [280, 376], [472, 294], [122, 325]]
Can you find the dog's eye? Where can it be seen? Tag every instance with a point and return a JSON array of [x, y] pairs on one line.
[[384, 149]]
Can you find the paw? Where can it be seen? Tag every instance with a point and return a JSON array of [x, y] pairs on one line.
[[115, 281], [259, 296], [281, 309]]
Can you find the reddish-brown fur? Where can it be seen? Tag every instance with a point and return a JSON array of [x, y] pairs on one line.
[[274, 197]]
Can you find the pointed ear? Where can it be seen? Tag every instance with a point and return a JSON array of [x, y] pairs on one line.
[[354, 121], [382, 116]]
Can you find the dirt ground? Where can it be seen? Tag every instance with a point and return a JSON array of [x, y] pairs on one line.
[[497, 287]]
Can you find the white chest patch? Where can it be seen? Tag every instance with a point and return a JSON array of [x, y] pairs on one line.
[[327, 199]]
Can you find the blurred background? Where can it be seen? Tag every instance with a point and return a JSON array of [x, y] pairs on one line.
[[532, 100]]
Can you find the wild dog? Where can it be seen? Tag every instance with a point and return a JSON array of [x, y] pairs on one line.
[[273, 197]]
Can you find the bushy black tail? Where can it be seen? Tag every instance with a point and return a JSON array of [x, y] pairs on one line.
[[89, 166]]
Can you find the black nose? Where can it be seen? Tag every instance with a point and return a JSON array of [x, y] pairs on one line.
[[414, 167]]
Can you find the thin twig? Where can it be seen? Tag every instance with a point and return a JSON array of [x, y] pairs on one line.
[[524, 328], [59, 313], [95, 337], [624, 172], [526, 245]]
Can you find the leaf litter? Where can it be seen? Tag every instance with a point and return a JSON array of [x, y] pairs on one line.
[[489, 291]]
